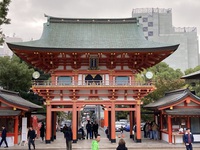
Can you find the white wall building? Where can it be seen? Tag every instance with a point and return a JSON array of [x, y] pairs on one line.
[[157, 26]]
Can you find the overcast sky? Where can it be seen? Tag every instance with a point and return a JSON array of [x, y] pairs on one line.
[[27, 16]]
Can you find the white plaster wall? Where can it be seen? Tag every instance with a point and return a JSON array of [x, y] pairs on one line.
[[196, 137], [80, 79], [165, 137], [178, 138], [107, 79], [10, 141], [56, 98]]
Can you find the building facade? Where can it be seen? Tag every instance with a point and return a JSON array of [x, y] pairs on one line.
[[158, 27]]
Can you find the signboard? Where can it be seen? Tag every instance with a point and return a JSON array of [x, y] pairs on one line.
[[24, 129]]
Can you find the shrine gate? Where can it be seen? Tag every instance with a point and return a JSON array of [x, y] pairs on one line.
[[92, 62]]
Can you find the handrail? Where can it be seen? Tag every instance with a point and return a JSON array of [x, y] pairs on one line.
[[89, 83]]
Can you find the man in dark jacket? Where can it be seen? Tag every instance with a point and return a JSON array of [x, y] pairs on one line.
[[31, 138], [88, 128], [3, 136], [68, 137], [188, 139], [95, 129]]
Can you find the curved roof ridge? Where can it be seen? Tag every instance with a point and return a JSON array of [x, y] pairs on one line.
[[175, 91], [16, 99], [7, 91], [79, 19], [171, 98]]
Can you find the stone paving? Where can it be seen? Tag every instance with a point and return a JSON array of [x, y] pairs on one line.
[[105, 144]]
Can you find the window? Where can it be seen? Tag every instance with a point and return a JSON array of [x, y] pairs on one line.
[[150, 24], [195, 125], [122, 80], [145, 29], [150, 33], [64, 80], [145, 19], [94, 63]]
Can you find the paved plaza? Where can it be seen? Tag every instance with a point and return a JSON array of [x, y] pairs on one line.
[[105, 144]]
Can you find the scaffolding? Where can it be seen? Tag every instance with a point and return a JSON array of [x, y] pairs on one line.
[[151, 10], [185, 29]]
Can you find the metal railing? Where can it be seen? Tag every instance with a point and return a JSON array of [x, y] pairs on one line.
[[90, 83]]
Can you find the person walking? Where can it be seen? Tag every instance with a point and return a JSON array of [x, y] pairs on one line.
[[31, 138], [3, 136], [121, 145], [188, 139], [155, 131], [68, 138], [95, 129], [144, 129], [88, 128], [42, 130], [92, 130], [95, 143]]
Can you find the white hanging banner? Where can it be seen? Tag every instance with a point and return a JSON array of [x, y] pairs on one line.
[[24, 129]]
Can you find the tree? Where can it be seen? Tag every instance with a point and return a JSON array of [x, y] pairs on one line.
[[3, 17], [165, 79], [15, 75]]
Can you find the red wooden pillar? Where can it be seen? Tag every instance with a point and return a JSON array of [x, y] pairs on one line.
[[188, 122], [16, 130], [48, 124], [74, 123], [55, 125], [169, 124], [138, 122], [113, 140], [131, 123], [161, 124], [105, 118]]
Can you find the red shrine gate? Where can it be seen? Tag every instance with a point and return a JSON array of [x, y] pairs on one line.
[[92, 62]]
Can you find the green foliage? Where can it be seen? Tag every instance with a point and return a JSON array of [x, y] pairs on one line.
[[165, 79], [3, 16], [14, 74], [190, 70]]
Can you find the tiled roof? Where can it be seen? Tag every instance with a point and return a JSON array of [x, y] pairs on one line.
[[194, 75], [183, 112], [14, 98], [71, 33], [171, 98], [9, 113]]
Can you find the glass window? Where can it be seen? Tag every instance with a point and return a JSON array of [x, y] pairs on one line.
[[94, 63], [122, 80], [145, 29], [195, 125], [145, 19], [150, 24], [8, 123], [150, 33], [64, 80]]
